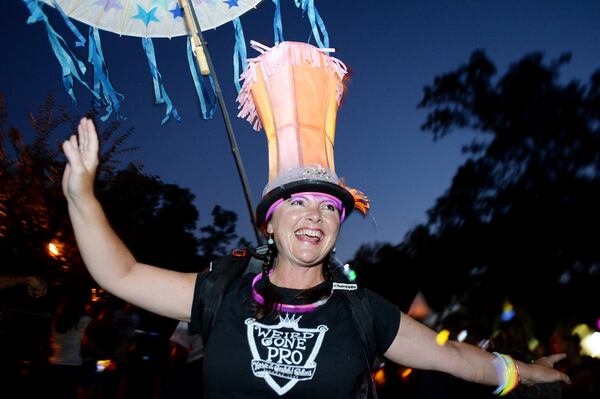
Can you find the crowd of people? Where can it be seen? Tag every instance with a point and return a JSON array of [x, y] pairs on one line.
[[92, 349], [66, 343]]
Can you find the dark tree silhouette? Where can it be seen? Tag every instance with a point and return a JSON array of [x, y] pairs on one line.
[[521, 213], [155, 219], [218, 236], [519, 220]]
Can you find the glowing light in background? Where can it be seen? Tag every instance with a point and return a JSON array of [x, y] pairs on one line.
[[54, 248], [533, 344], [590, 345], [598, 324], [442, 337], [589, 340], [379, 377], [419, 309], [97, 294], [102, 365], [462, 335], [581, 330], [508, 311], [350, 274], [405, 373]]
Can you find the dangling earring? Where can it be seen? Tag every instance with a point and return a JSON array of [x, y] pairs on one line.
[[270, 255]]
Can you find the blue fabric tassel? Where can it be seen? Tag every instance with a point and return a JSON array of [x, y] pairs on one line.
[[69, 23], [277, 26], [206, 96], [316, 22], [71, 66], [102, 85], [160, 94], [239, 53]]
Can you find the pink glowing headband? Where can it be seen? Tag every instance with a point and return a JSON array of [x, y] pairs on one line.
[[336, 202]]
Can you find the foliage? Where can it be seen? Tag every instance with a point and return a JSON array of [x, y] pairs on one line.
[[218, 236], [155, 219], [522, 210], [519, 220], [32, 211]]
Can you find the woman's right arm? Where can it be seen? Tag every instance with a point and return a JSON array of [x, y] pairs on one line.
[[108, 260]]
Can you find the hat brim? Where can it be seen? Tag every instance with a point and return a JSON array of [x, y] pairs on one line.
[[300, 186]]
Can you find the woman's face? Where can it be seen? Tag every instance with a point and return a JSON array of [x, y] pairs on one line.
[[305, 228]]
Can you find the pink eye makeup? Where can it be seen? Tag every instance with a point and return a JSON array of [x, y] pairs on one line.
[[326, 198]]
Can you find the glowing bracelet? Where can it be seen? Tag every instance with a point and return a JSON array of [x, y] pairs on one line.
[[508, 374]]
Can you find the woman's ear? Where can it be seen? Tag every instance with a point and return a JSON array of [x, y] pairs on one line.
[[270, 228]]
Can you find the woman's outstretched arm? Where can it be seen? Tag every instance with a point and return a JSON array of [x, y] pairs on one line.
[[415, 346], [108, 260]]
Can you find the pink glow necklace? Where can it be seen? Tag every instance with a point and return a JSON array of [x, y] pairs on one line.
[[282, 307]]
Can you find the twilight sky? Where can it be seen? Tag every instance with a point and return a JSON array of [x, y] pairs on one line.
[[393, 48]]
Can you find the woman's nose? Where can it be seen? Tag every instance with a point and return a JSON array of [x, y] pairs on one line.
[[314, 214]]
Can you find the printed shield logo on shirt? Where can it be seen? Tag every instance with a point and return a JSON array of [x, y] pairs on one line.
[[284, 354]]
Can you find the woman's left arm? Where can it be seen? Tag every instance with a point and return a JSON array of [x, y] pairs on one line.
[[415, 346]]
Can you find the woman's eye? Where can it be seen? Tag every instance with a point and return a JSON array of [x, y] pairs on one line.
[[296, 202], [329, 207]]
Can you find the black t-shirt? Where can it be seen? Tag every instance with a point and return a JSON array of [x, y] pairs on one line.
[[311, 355]]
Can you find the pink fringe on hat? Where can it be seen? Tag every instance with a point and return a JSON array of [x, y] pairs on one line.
[[282, 54]]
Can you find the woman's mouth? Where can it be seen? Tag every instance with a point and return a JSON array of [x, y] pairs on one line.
[[309, 235]]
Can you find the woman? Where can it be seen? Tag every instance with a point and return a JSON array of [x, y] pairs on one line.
[[283, 331], [66, 371]]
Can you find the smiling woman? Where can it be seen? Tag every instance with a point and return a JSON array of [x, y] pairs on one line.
[[297, 327]]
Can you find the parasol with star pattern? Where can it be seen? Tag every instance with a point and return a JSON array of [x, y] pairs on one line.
[[150, 19]]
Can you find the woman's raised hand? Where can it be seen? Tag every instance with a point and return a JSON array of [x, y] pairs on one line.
[[82, 155]]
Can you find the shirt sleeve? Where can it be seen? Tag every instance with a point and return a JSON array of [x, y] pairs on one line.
[[195, 326], [386, 320]]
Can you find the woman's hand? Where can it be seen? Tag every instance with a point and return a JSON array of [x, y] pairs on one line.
[[82, 155], [542, 371]]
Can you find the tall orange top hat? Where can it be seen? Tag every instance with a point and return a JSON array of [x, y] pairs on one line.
[[293, 91]]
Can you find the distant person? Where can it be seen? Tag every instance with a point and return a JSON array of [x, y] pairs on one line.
[[36, 286], [23, 332], [66, 372], [291, 326], [126, 323], [583, 370], [186, 359]]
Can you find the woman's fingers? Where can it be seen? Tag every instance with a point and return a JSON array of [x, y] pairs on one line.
[[81, 150], [93, 145], [88, 143], [549, 362], [80, 134], [84, 134], [71, 150], [66, 177], [556, 358]]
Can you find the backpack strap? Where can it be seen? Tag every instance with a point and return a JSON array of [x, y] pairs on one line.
[[360, 308], [223, 272]]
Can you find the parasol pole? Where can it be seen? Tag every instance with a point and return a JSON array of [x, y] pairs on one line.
[[206, 67]]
